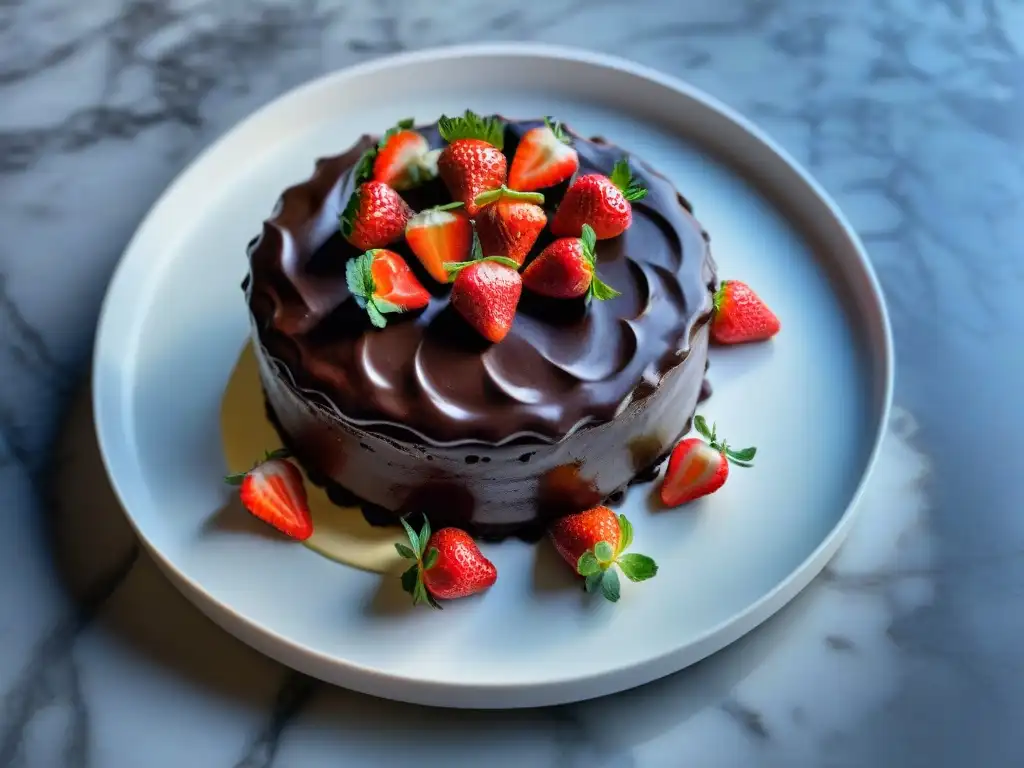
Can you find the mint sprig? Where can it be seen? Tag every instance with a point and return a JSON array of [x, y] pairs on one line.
[[472, 126], [362, 286], [416, 549], [600, 566], [598, 289], [622, 178], [741, 458]]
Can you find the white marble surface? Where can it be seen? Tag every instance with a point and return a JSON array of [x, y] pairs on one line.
[[905, 652]]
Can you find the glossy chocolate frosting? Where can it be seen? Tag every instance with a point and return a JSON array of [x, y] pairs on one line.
[[427, 378]]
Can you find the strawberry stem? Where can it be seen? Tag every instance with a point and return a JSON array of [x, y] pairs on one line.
[[412, 579], [504, 193], [454, 267], [741, 458], [557, 129], [622, 178], [472, 126]]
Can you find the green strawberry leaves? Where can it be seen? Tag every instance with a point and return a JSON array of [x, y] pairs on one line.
[[472, 126], [598, 289], [238, 478], [504, 193], [359, 276], [600, 566], [557, 129], [402, 125], [454, 267], [741, 458], [416, 549], [622, 178]]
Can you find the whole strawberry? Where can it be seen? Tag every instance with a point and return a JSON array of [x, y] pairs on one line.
[[472, 162], [375, 216], [697, 468], [566, 270], [603, 202], [741, 316], [403, 159], [449, 565], [543, 158], [508, 223], [593, 543], [382, 283], [486, 293], [274, 492]]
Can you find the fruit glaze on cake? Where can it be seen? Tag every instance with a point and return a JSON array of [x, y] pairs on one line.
[[494, 323]]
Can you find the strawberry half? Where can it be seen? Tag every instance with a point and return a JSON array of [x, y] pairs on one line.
[[543, 158], [403, 158], [566, 270], [603, 202], [274, 492], [472, 162], [741, 316], [486, 293], [375, 216], [697, 468], [382, 282], [438, 236], [509, 223], [449, 565], [593, 542]]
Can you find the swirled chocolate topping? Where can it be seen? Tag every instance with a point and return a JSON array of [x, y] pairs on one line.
[[427, 377]]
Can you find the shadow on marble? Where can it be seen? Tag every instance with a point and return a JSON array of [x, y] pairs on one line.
[[776, 684]]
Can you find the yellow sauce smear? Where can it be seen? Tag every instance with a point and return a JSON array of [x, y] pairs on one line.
[[340, 533]]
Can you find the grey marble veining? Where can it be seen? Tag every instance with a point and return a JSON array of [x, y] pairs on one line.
[[905, 652]]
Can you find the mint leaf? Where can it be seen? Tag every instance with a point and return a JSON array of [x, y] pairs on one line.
[[409, 580], [746, 455], [600, 290], [625, 534], [587, 564], [603, 552], [425, 533], [414, 540], [588, 238], [637, 567], [610, 586], [431, 559], [376, 316], [405, 552], [593, 582]]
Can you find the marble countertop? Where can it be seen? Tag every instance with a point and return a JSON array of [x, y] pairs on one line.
[[905, 652]]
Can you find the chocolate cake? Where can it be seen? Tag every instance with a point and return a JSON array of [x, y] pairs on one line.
[[425, 416]]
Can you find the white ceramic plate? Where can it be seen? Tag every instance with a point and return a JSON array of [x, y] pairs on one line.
[[813, 401]]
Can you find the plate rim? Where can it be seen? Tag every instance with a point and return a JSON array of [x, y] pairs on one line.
[[504, 694]]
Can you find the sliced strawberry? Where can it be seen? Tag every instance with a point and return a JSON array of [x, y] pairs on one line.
[[486, 293], [697, 468], [274, 492], [382, 283], [593, 543], [741, 315], [375, 216], [473, 161], [448, 565], [509, 223], [403, 158], [602, 202], [543, 158], [566, 270], [438, 236]]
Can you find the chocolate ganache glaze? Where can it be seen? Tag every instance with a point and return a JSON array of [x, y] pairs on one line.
[[425, 416]]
